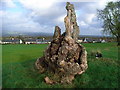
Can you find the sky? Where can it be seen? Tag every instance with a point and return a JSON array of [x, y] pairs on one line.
[[43, 15]]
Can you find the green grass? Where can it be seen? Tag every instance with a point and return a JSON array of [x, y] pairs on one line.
[[20, 53], [18, 67]]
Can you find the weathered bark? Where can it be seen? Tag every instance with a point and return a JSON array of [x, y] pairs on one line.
[[64, 57], [57, 32], [118, 41]]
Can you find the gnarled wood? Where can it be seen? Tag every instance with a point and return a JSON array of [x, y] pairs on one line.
[[64, 57]]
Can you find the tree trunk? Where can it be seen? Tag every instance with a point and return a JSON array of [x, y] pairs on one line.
[[65, 57], [118, 41]]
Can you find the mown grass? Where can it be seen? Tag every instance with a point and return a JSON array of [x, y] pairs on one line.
[[19, 72]]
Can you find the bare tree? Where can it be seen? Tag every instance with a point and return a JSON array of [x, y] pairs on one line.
[[111, 19]]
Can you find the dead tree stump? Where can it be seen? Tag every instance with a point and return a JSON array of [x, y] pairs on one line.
[[64, 57]]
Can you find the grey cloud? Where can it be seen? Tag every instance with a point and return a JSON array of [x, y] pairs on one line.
[[45, 21]]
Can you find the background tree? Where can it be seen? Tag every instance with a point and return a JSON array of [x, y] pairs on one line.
[[110, 16]]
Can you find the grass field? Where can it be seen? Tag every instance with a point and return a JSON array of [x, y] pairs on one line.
[[18, 67]]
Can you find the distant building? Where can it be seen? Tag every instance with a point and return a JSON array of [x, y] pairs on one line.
[[80, 41], [98, 40], [21, 41], [0, 41], [85, 40], [91, 40], [31, 41], [27, 41], [103, 41], [37, 41], [94, 41], [12, 39], [9, 41]]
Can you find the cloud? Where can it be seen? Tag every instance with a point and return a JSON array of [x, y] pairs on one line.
[[48, 16], [18, 22], [44, 15], [82, 23], [37, 4], [8, 3]]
